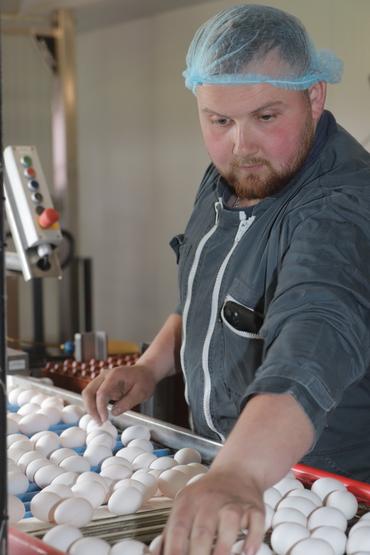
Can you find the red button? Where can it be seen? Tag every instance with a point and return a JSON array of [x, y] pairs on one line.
[[48, 217], [30, 173]]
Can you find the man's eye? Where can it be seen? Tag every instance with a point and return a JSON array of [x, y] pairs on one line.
[[267, 117], [222, 122]]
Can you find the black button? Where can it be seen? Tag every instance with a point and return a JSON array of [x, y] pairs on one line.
[[39, 209], [37, 197]]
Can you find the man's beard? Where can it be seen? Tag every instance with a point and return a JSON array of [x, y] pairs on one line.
[[253, 186]]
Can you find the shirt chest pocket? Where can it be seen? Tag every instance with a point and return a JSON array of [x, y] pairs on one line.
[[240, 311]]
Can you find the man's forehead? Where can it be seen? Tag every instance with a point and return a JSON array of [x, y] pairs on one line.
[[248, 97]]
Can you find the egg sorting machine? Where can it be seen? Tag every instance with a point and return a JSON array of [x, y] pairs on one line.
[[150, 520]]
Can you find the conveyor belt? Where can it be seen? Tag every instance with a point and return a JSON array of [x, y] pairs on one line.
[[150, 520]]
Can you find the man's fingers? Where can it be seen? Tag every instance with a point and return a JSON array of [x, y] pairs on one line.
[[89, 396], [256, 531], [203, 533], [130, 399], [230, 518], [177, 532]]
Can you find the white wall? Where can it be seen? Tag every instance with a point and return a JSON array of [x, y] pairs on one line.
[[140, 150]]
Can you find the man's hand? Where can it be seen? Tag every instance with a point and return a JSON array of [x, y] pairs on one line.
[[126, 386], [207, 516]]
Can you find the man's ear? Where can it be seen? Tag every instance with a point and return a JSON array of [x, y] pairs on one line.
[[317, 96]]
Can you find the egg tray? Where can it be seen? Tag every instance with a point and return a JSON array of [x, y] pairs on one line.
[[33, 488], [75, 376]]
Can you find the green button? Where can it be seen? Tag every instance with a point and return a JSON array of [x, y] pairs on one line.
[[26, 161]]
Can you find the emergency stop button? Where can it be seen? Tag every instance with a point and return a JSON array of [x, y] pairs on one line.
[[48, 217]]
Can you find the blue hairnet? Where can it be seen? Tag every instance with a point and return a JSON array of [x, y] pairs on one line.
[[251, 44]]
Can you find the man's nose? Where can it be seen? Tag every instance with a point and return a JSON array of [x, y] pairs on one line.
[[244, 142]]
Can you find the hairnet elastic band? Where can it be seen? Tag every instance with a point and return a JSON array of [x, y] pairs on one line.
[[192, 81]]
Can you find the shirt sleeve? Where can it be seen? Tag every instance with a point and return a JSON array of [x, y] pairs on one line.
[[317, 327]]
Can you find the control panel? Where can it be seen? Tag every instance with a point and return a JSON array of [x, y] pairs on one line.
[[33, 221]]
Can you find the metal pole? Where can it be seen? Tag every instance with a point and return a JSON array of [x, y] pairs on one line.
[[3, 408], [65, 155]]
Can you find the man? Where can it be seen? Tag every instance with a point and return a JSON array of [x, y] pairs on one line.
[[272, 331]]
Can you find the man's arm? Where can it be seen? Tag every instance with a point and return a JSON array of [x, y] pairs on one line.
[[272, 433], [130, 385]]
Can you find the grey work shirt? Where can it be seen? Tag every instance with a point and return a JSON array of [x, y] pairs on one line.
[[276, 298]]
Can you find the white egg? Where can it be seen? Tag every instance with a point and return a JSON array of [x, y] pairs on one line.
[[337, 538], [15, 509], [25, 396], [43, 504], [327, 516], [33, 466], [75, 463], [13, 395], [100, 438], [163, 463], [11, 425], [365, 516], [359, 540], [301, 504], [155, 543], [84, 420], [54, 414], [344, 501], [286, 535], [197, 468], [96, 454], [28, 408], [359, 524], [39, 398], [264, 550], [310, 546], [53, 402], [15, 452], [116, 460], [288, 515], [28, 457], [116, 472], [288, 484], [135, 484], [14, 438], [93, 477], [126, 500], [323, 486], [272, 496], [88, 546], [32, 423], [171, 482], [187, 455], [107, 426], [143, 444], [62, 537], [94, 495], [129, 453], [75, 511], [144, 460], [59, 489], [47, 443], [137, 431], [17, 482], [58, 455], [307, 494], [148, 480], [129, 547], [46, 474], [66, 479], [71, 414], [73, 437]]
